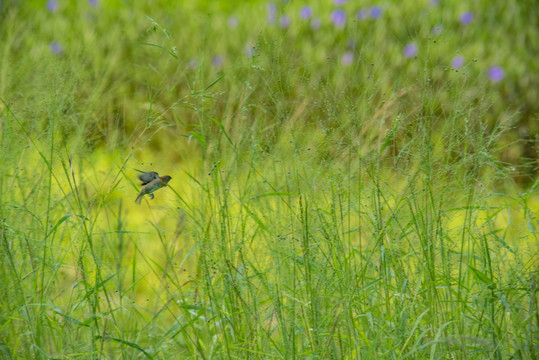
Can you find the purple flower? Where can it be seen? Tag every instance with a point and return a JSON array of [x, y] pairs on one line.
[[306, 12], [193, 63], [316, 24], [52, 5], [437, 30], [284, 21], [362, 15], [410, 50], [338, 17], [496, 73], [250, 51], [466, 18], [94, 3], [376, 12], [347, 58], [56, 48], [340, 2], [434, 2], [457, 62], [217, 61], [233, 22], [271, 12]]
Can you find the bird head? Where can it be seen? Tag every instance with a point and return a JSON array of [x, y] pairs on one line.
[[165, 179]]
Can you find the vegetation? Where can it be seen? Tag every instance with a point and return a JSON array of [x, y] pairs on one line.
[[349, 180]]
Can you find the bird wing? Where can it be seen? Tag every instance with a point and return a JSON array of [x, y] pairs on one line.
[[147, 177]]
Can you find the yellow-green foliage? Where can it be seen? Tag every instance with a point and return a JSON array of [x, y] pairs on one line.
[[330, 198]]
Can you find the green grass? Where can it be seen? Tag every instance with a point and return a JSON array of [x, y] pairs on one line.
[[381, 210]]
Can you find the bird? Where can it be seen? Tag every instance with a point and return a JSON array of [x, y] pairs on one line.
[[148, 177], [152, 182]]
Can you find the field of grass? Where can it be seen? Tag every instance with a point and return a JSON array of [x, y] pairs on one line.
[[350, 180]]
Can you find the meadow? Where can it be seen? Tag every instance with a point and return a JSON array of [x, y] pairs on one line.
[[350, 180]]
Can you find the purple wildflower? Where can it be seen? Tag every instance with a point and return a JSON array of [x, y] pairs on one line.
[[284, 21], [306, 12], [457, 62], [94, 3], [466, 18], [316, 24], [437, 30], [193, 63], [250, 51], [233, 22], [338, 17], [376, 12], [217, 61], [56, 48], [410, 50], [496, 73], [347, 58], [340, 2], [52, 5], [361, 14], [271, 12], [434, 2]]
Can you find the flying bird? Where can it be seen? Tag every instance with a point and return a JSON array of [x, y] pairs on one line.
[[148, 177], [152, 182]]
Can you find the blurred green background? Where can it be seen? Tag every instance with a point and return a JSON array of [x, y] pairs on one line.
[[350, 179], [109, 68]]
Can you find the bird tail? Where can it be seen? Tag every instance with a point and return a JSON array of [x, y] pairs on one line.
[[139, 198]]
